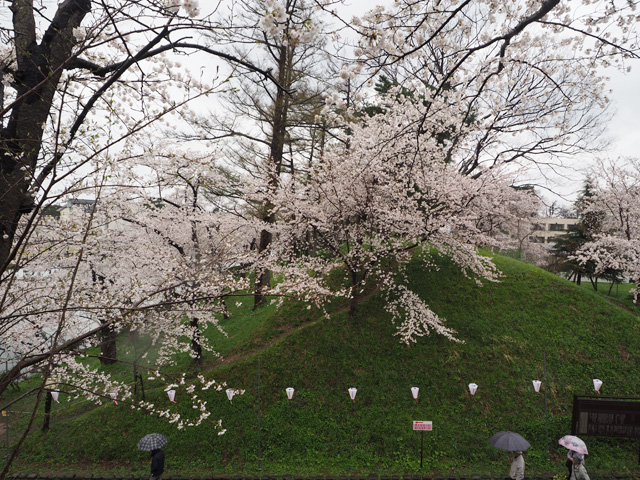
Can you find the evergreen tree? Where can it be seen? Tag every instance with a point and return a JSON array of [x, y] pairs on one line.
[[567, 245]]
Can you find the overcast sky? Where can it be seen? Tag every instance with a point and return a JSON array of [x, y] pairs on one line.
[[626, 122]]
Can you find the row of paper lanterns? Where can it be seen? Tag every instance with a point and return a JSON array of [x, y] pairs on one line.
[[597, 385], [473, 387]]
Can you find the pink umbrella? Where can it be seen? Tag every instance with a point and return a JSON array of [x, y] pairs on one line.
[[573, 443]]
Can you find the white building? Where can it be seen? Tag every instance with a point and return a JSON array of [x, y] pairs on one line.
[[545, 229]]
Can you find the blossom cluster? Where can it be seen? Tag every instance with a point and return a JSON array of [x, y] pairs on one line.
[[616, 200]]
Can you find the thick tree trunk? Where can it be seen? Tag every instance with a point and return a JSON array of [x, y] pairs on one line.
[[196, 347], [353, 303], [225, 310], [276, 155], [39, 67], [357, 280], [47, 411], [108, 346], [263, 275]]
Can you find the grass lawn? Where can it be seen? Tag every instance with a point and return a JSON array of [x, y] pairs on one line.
[[530, 325]]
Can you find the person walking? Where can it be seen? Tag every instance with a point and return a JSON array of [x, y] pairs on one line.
[[157, 464], [569, 463], [579, 471], [517, 467]]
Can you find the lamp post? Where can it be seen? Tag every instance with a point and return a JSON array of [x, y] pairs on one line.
[[546, 409]]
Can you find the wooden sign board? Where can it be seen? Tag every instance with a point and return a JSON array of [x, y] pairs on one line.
[[606, 416]]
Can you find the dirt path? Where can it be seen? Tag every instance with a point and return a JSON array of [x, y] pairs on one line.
[[288, 330]]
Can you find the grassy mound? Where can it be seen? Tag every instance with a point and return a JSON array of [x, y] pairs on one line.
[[531, 325]]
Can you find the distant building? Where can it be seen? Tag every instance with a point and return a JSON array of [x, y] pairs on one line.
[[74, 206], [77, 210], [546, 229]]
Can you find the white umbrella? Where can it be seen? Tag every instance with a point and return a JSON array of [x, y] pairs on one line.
[[574, 443]]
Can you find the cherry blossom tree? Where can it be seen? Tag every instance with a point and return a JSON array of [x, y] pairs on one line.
[[520, 68], [384, 191], [66, 74], [616, 200], [146, 256], [492, 85], [79, 81]]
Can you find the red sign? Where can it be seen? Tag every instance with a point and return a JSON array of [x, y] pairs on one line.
[[422, 425]]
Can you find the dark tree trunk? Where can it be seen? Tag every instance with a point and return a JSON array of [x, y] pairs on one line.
[[225, 310], [263, 275], [357, 280], [353, 304], [276, 156], [108, 346], [39, 68], [138, 384], [47, 411], [196, 347]]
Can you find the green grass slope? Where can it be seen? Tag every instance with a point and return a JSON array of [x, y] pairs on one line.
[[511, 331]]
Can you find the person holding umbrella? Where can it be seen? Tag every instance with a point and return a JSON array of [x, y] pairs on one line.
[[579, 472], [575, 446], [157, 464], [517, 467], [153, 443], [569, 463], [512, 442]]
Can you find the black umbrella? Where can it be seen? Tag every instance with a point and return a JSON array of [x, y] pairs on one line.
[[153, 441], [509, 441]]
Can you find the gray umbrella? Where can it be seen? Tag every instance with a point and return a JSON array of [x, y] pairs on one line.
[[509, 441], [153, 441]]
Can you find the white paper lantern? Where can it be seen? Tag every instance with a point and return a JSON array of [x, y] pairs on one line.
[[597, 384], [114, 397], [172, 395], [230, 393], [472, 388], [536, 385], [54, 395], [352, 394], [414, 392], [290, 391]]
